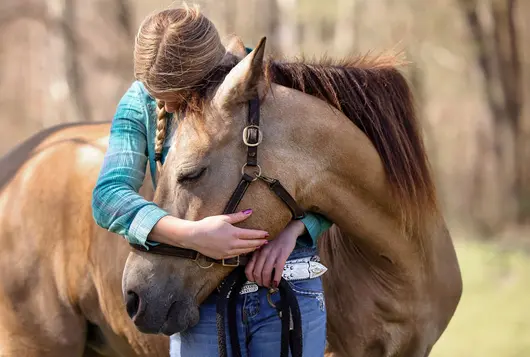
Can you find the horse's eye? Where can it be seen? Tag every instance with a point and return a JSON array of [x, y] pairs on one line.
[[192, 176]]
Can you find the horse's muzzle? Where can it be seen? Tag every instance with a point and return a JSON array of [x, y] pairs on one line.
[[152, 316]]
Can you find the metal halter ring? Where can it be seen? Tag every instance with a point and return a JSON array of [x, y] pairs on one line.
[[199, 265], [245, 135], [256, 174]]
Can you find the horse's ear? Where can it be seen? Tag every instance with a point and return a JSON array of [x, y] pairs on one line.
[[236, 47], [242, 83]]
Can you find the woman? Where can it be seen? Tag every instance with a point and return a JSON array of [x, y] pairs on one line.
[[174, 51]]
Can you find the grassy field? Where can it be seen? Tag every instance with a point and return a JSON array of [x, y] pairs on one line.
[[493, 318]]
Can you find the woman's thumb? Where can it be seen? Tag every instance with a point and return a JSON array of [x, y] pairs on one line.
[[238, 216]]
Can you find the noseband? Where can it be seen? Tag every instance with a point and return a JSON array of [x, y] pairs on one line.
[[250, 172]]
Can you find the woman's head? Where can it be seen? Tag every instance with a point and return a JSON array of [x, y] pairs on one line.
[[175, 51]]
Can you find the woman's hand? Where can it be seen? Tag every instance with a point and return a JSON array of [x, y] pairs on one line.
[[217, 238], [213, 236], [273, 256]]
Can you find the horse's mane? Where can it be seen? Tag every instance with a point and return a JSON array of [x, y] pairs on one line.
[[375, 96]]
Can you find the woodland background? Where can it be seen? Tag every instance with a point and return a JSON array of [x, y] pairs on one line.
[[71, 60]]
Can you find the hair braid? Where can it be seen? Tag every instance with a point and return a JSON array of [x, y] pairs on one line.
[[161, 124]]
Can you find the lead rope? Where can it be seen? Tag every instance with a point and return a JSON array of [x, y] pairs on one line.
[[289, 310]]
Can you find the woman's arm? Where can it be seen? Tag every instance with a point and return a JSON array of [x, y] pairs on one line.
[[116, 204], [315, 225], [118, 207]]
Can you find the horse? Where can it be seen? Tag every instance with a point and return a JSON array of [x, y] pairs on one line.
[[60, 274], [344, 140]]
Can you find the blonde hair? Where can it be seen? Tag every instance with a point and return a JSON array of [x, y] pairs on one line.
[[175, 51]]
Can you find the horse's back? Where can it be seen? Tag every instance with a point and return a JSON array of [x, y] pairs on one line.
[[44, 187], [54, 277], [37, 198]]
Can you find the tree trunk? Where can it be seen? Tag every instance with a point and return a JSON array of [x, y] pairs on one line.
[[273, 27], [347, 26], [501, 187], [287, 34], [74, 75], [522, 12]]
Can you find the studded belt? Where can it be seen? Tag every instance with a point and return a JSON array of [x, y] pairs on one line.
[[295, 269]]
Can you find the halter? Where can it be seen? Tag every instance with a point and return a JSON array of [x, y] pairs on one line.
[[287, 307], [252, 138]]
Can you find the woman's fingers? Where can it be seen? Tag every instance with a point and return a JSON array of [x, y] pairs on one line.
[[278, 271], [243, 233], [267, 270], [258, 267], [249, 269], [248, 244], [236, 217]]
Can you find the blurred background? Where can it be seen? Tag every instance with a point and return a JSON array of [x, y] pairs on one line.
[[71, 60]]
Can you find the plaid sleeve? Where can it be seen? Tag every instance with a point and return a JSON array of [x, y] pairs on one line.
[[116, 203], [315, 225]]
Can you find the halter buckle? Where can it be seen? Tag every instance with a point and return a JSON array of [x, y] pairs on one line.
[[233, 265], [246, 136]]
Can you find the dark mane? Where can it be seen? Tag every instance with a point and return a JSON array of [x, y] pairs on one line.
[[375, 96]]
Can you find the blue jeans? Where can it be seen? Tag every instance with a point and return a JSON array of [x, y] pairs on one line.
[[259, 327]]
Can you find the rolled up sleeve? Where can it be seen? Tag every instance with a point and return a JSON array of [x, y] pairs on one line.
[[315, 224], [116, 204]]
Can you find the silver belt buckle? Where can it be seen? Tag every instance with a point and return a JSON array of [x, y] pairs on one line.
[[295, 269]]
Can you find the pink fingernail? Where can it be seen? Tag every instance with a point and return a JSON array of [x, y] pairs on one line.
[[247, 211], [266, 242], [275, 283]]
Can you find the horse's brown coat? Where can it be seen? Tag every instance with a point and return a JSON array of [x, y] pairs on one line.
[[389, 291], [60, 274], [356, 156]]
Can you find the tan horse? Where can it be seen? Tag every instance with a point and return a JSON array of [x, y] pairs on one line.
[[60, 274], [350, 149]]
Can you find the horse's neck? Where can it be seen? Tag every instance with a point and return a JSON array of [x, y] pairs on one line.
[[341, 175], [353, 192]]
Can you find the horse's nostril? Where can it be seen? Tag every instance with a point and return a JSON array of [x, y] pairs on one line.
[[132, 303]]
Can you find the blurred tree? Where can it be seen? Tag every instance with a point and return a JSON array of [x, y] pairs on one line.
[[227, 18], [287, 26], [272, 27], [523, 175], [347, 26], [66, 21], [493, 27]]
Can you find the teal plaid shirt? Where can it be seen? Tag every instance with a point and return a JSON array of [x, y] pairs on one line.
[[116, 204]]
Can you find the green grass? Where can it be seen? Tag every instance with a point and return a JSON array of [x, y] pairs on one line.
[[493, 318]]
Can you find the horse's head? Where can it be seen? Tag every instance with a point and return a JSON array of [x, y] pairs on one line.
[[201, 171], [344, 140]]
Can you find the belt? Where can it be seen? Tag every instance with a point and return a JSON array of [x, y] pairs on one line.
[[294, 269]]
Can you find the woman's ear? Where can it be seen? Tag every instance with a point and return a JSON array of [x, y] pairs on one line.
[[236, 47]]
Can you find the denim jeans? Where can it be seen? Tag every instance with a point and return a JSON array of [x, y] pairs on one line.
[[260, 326]]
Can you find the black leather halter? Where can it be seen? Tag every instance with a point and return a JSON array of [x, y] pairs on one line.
[[252, 138], [288, 309]]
